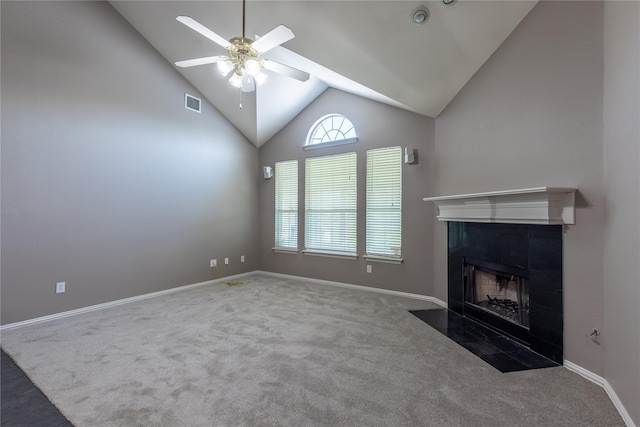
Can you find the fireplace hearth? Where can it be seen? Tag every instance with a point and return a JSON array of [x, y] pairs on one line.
[[509, 277]]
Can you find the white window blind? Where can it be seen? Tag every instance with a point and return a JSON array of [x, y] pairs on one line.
[[384, 202], [287, 204], [331, 204]]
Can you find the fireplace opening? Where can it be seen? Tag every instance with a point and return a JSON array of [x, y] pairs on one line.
[[498, 295]]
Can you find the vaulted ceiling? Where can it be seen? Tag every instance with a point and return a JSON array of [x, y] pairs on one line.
[[369, 48]]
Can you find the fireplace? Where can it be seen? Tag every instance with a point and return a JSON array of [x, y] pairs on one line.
[[510, 240], [509, 277]]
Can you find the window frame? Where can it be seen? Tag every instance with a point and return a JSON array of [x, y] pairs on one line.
[[379, 192], [344, 204], [291, 178], [309, 145]]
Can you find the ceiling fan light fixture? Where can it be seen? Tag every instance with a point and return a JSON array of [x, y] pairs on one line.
[[252, 67], [236, 80], [260, 78], [225, 67]]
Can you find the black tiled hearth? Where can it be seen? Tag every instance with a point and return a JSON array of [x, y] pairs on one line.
[[23, 404], [502, 353]]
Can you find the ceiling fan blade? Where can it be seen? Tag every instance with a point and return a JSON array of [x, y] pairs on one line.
[[200, 61], [294, 73], [248, 83], [196, 26], [273, 38]]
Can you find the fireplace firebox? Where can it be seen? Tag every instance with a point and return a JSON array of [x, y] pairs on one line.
[[498, 295]]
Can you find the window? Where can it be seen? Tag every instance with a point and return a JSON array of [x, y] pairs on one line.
[[287, 204], [334, 129], [331, 204], [384, 202]]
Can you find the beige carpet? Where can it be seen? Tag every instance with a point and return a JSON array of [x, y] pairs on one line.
[[275, 352]]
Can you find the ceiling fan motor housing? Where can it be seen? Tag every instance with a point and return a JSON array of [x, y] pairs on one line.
[[241, 51]]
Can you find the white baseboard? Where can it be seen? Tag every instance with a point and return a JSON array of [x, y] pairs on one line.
[[594, 378], [597, 379], [90, 308], [357, 287], [115, 303]]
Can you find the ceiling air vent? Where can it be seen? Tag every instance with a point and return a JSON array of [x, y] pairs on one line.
[[191, 103]]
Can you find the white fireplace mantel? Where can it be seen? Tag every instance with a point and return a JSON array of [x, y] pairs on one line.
[[540, 205]]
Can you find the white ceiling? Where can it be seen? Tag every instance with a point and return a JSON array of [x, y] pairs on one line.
[[369, 48]]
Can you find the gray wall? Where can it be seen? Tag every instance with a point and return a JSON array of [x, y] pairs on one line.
[[378, 125], [530, 117], [621, 332], [108, 183]]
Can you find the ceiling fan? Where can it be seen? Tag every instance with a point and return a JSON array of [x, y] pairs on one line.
[[244, 55]]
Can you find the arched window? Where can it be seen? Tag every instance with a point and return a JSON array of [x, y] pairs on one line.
[[333, 129]]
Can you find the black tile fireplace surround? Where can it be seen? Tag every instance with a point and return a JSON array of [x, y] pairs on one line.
[[536, 249]]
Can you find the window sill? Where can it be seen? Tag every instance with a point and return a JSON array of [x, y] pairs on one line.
[[387, 259], [285, 250], [331, 143], [331, 254]]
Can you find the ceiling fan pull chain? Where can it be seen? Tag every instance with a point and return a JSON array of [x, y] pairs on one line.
[[241, 99]]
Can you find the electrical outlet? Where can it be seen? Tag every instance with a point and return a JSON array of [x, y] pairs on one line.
[[226, 261], [241, 258], [368, 268], [213, 263], [60, 287]]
